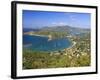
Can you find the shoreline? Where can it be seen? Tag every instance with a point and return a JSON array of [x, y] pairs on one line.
[[73, 44], [35, 35], [47, 36]]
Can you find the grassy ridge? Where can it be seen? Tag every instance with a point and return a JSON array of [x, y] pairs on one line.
[[37, 60]]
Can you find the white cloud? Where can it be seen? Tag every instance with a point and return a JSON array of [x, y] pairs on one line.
[[62, 23], [59, 23]]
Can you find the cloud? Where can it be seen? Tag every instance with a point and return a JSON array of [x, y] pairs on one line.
[[62, 23], [59, 23]]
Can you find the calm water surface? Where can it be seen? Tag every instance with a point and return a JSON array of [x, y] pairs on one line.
[[42, 44]]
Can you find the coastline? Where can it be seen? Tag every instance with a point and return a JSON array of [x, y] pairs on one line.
[[48, 36], [35, 35], [73, 43]]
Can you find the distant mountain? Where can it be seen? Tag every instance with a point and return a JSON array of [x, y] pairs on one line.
[[68, 29]]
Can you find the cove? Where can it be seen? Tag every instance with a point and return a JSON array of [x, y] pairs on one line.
[[39, 43]]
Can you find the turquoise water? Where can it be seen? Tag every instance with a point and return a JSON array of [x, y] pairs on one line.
[[42, 44]]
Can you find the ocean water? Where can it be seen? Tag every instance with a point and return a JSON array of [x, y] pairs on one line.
[[42, 44]]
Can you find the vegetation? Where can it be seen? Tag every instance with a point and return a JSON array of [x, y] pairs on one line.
[[75, 56], [54, 34], [35, 60]]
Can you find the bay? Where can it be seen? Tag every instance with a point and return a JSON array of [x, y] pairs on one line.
[[39, 43]]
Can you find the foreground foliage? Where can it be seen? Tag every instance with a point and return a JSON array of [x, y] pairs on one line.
[[37, 60]]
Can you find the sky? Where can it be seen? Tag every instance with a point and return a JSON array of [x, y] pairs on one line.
[[39, 19]]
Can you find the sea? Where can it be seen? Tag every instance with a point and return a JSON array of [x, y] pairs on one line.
[[39, 43]]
